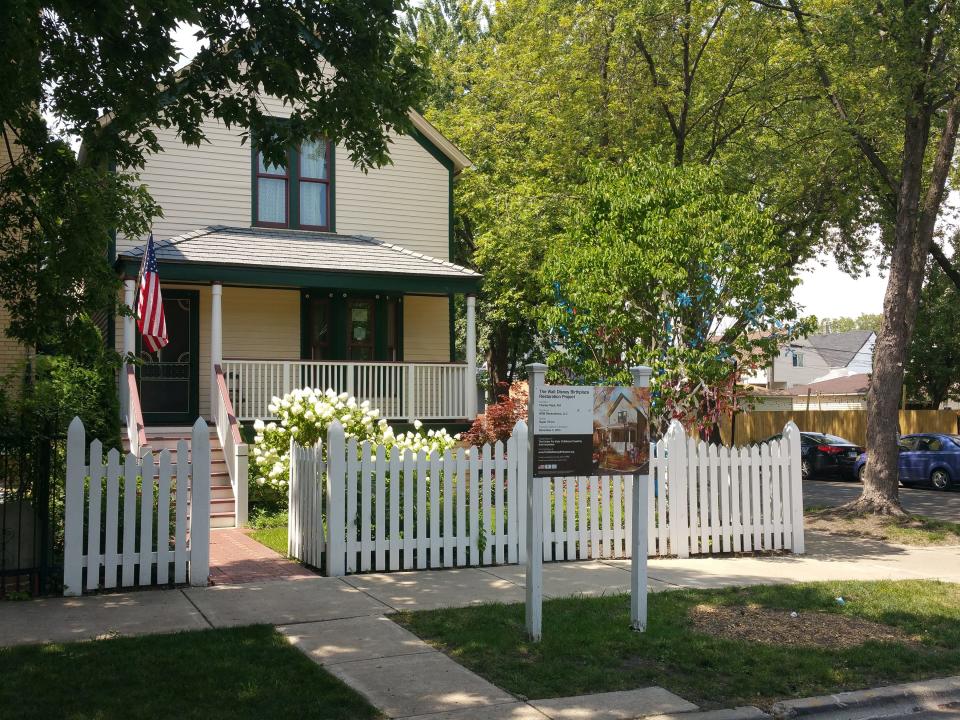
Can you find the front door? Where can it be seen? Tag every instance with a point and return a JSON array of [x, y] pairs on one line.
[[168, 378]]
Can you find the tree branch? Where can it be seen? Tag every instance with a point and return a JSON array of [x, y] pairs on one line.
[[865, 146], [944, 262], [654, 77]]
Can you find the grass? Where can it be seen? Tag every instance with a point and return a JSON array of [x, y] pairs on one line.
[[270, 529], [248, 672], [587, 646], [910, 530]]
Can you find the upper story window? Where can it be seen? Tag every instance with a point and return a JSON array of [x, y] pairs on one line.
[[798, 359], [296, 195]]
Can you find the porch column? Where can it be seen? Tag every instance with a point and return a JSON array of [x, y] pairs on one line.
[[216, 341], [129, 342], [471, 341]]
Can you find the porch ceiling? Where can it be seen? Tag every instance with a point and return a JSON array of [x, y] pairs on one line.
[[292, 258]]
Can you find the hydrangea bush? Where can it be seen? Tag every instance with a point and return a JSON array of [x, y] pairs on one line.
[[305, 415]]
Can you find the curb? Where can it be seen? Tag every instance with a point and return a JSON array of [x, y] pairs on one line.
[[747, 712], [864, 702]]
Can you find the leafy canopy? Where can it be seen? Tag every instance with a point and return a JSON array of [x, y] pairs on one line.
[[663, 266], [933, 359], [107, 73]]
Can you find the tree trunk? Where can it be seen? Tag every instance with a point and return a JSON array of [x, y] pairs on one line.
[[913, 238], [498, 360]]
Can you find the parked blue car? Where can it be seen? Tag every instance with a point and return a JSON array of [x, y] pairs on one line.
[[929, 458]]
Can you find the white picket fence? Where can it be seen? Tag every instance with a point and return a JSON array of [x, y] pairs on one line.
[[131, 521], [355, 508]]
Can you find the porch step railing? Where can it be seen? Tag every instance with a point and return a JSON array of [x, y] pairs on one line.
[[234, 449], [136, 430], [402, 391]]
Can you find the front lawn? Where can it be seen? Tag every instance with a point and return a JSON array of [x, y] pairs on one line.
[[274, 538], [908, 530], [270, 529], [717, 648], [248, 672]]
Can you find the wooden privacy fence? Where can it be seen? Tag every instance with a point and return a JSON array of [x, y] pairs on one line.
[[757, 425], [357, 507], [131, 521]]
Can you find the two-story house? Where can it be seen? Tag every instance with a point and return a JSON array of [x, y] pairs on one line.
[[818, 357], [313, 273]]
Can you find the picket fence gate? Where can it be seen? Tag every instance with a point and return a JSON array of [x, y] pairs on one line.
[[358, 507], [118, 528]]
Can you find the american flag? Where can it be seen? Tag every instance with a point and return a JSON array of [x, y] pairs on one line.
[[150, 319]]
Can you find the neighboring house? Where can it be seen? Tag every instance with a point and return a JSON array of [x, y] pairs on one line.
[[818, 357], [840, 393], [313, 274]]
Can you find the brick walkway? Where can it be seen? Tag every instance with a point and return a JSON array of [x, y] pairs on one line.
[[236, 558]]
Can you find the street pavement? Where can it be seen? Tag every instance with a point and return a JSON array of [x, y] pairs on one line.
[[923, 501]]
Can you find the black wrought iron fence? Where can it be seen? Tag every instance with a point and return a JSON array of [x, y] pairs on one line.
[[32, 471]]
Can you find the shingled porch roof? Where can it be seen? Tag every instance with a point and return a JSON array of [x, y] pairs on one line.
[[295, 258]]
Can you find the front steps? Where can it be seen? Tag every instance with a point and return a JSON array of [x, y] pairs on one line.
[[222, 502]]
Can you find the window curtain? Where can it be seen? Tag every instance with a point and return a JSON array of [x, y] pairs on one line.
[[271, 200], [313, 204]]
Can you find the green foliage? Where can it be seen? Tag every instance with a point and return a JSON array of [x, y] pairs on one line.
[[63, 388], [52, 389], [665, 267], [341, 66], [55, 223], [933, 361], [110, 78]]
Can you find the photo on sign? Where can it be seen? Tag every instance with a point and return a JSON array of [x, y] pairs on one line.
[[620, 429]]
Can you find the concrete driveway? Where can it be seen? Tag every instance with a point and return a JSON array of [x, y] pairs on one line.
[[923, 501]]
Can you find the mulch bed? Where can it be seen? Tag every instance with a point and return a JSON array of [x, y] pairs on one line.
[[752, 623]]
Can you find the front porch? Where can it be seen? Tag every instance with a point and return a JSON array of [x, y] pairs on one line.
[[402, 391], [254, 314]]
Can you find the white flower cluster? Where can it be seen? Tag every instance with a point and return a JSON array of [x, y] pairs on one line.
[[305, 415]]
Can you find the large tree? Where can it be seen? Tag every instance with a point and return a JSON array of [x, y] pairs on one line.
[[553, 86], [664, 266], [108, 74], [889, 74]]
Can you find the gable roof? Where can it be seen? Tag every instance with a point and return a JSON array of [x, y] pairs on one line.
[[297, 253], [839, 349]]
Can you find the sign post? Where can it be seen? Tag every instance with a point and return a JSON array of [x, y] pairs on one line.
[[536, 377], [638, 547], [577, 431]]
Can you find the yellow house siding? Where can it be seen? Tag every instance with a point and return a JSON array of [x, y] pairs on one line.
[[406, 203], [12, 353], [426, 329], [261, 324]]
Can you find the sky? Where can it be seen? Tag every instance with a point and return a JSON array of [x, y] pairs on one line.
[[828, 292]]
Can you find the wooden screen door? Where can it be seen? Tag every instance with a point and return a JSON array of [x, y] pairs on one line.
[[169, 378]]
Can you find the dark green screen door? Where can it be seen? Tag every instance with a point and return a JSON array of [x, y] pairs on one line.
[[169, 378]]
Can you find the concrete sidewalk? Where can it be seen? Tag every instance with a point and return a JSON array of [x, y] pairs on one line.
[[340, 622], [312, 599]]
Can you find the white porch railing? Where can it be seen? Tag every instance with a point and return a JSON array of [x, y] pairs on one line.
[[234, 449], [402, 391]]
